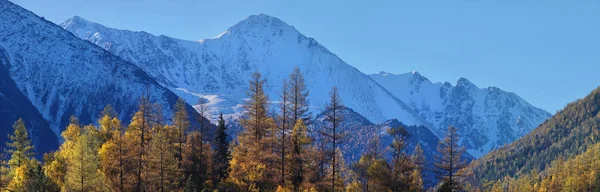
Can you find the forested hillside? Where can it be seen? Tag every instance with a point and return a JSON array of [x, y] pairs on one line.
[[571, 132]]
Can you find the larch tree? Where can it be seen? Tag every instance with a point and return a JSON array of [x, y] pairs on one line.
[[332, 132], [56, 163], [222, 155], [36, 180], [298, 157], [254, 151], [203, 128], [339, 175], [107, 125], [417, 175], [113, 155], [204, 111], [182, 124], [401, 162], [372, 171], [138, 136], [163, 174], [448, 160], [195, 164], [4, 170], [83, 174], [283, 124], [298, 101]]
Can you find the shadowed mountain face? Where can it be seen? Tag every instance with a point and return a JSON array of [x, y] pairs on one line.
[[62, 75], [15, 105]]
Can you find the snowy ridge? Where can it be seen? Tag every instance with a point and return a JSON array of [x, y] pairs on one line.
[[63, 75], [218, 69], [487, 118]]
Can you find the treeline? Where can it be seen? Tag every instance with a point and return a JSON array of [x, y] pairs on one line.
[[274, 152]]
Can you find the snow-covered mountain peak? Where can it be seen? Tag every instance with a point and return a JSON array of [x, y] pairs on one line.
[[260, 26], [81, 23], [218, 69]]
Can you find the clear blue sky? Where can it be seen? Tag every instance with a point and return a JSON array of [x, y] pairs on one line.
[[548, 52]]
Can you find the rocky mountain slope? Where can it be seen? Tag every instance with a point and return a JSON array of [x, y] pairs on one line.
[[486, 118], [62, 75]]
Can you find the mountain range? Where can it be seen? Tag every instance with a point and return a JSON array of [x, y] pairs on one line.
[[216, 71], [487, 118]]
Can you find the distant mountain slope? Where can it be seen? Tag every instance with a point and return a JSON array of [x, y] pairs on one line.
[[360, 131], [218, 69], [15, 105], [63, 75], [570, 132], [486, 118]]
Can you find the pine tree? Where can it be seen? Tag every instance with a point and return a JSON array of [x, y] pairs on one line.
[[222, 156], [298, 157], [254, 151], [298, 97], [20, 147], [448, 160], [82, 174], [401, 161], [332, 133]]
